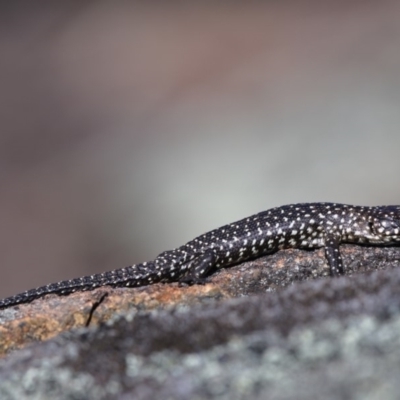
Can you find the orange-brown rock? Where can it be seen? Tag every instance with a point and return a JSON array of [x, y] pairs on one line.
[[45, 318]]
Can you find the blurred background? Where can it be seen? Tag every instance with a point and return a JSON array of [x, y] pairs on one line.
[[128, 128]]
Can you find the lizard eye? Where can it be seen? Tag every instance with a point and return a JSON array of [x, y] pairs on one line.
[[371, 227]]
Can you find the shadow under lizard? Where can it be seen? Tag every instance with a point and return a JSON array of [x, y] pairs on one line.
[[304, 225]]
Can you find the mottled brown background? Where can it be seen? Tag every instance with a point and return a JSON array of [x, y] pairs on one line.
[[128, 128]]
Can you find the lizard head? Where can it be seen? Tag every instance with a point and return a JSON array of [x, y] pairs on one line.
[[385, 224]]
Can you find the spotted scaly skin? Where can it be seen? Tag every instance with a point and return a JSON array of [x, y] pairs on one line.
[[306, 225]]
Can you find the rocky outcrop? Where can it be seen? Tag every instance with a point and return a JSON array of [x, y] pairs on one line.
[[253, 331]]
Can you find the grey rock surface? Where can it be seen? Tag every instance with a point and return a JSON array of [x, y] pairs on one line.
[[326, 338]]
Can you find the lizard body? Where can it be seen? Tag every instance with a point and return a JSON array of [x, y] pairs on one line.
[[305, 225]]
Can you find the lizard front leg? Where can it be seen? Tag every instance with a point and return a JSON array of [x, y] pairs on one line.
[[332, 254]]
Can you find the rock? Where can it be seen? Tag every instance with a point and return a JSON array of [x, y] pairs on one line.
[[321, 338]]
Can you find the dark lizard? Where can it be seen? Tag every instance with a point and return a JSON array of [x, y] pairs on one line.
[[307, 225]]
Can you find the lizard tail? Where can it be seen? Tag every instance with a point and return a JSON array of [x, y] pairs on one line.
[[132, 276]]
